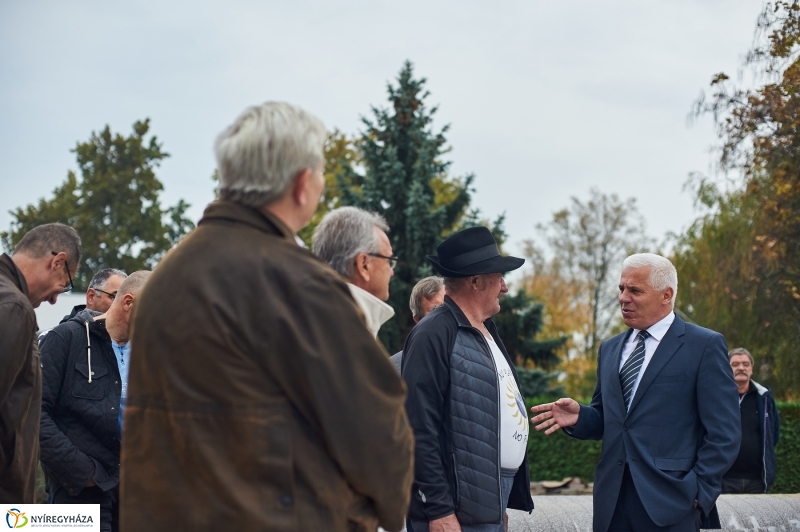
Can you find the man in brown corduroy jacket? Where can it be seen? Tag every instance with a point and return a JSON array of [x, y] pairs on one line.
[[257, 398], [41, 267]]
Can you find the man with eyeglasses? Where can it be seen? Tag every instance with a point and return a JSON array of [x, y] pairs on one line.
[[40, 268], [84, 379], [353, 242], [101, 293]]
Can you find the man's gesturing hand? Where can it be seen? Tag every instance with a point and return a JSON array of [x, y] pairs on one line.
[[561, 414], [445, 524]]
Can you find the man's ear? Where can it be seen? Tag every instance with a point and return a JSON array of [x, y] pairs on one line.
[[475, 282], [362, 266], [669, 293], [300, 191], [127, 302], [57, 261], [90, 295]]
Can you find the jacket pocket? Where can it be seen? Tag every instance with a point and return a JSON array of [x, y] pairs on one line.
[[674, 464], [81, 387]]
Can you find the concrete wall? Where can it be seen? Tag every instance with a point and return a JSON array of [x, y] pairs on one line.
[[752, 513]]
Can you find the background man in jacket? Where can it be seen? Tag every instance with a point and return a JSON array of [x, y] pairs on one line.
[[41, 268], [101, 292], [353, 242], [84, 374], [754, 468], [464, 403], [426, 295], [258, 399], [664, 406]]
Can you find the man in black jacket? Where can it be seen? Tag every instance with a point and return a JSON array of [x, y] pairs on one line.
[[464, 404], [84, 376], [754, 469], [101, 292]]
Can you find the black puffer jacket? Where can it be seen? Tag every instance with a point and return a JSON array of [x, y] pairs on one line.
[[454, 408], [79, 435]]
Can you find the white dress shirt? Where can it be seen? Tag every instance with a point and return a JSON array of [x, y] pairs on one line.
[[657, 332], [375, 311]]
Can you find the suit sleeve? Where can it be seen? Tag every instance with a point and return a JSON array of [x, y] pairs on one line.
[[70, 466], [336, 374], [591, 420], [426, 371], [718, 411]]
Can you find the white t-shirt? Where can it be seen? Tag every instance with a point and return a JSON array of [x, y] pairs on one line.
[[513, 418]]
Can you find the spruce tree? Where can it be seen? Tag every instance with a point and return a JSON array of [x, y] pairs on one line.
[[404, 178]]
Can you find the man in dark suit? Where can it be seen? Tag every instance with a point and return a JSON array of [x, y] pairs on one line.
[[665, 407]]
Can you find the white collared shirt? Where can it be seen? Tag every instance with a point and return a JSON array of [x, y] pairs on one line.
[[657, 332], [375, 311]]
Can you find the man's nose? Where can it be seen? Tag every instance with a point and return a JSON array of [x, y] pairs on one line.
[[503, 286]]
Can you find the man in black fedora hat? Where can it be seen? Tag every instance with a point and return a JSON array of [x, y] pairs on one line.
[[464, 403]]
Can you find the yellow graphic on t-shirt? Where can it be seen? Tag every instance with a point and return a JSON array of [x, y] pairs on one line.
[[515, 402]]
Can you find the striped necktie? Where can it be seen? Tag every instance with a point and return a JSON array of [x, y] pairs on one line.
[[630, 370]]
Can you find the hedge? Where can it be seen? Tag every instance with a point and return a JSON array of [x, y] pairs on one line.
[[559, 456]]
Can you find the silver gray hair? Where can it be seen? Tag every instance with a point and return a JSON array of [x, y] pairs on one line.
[[427, 288], [100, 278], [261, 153], [662, 273], [343, 234], [741, 351]]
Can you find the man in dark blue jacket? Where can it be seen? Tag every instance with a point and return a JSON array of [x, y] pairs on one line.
[[464, 403], [84, 375], [754, 469], [665, 407]]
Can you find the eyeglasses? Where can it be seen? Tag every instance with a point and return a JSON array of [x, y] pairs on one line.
[[111, 295], [392, 260], [71, 287]]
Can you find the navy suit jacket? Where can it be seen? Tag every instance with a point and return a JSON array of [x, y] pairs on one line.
[[682, 431]]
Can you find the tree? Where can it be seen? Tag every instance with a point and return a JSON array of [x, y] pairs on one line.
[[114, 205], [340, 150], [588, 242], [759, 211], [402, 176], [519, 322]]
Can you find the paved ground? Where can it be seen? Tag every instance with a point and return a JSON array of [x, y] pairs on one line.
[[741, 513]]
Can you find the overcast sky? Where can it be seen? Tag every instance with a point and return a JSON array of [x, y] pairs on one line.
[[545, 99]]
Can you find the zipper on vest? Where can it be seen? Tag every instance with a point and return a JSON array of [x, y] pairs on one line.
[[494, 364]]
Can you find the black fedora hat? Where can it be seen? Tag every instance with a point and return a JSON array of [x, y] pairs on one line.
[[472, 251]]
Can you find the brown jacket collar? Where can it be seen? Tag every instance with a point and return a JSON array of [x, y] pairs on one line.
[[9, 270], [228, 211]]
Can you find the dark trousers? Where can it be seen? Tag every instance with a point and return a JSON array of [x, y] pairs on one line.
[[742, 485], [631, 516], [108, 501]]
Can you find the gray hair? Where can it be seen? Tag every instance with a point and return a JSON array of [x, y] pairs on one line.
[[741, 351], [133, 283], [261, 153], [427, 288], [100, 278], [662, 273], [345, 232], [45, 239]]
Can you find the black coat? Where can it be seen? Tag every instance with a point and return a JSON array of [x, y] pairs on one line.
[[79, 435], [453, 406]]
